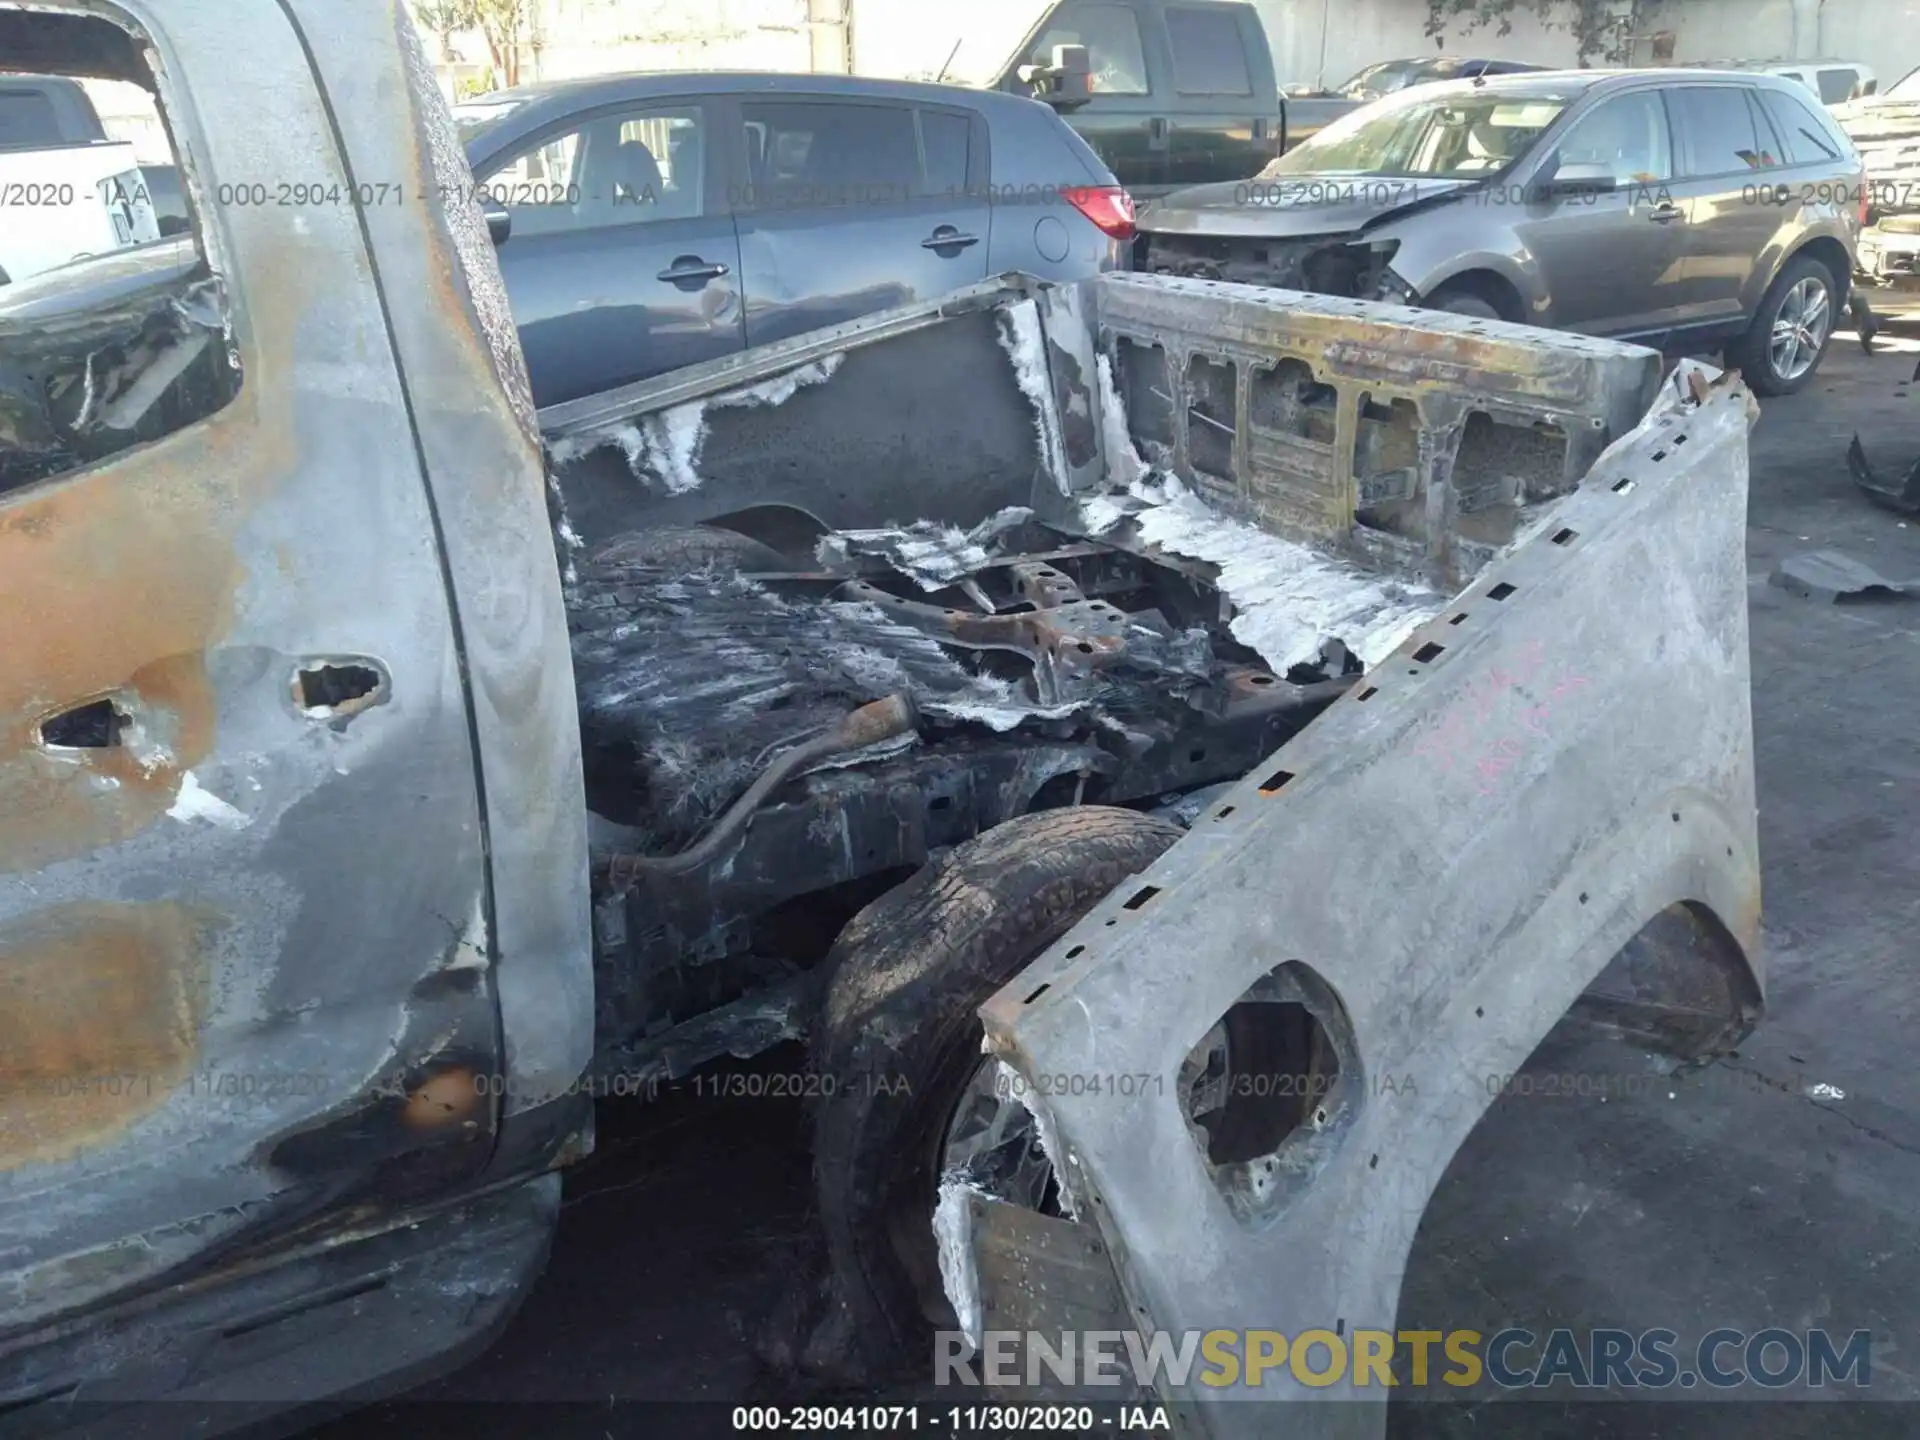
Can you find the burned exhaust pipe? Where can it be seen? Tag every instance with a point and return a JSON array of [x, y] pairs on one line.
[[886, 719]]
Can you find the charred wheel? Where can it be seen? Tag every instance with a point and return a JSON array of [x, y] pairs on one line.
[[908, 1095]]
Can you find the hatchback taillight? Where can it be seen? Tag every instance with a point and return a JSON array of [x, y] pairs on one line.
[[1108, 206]]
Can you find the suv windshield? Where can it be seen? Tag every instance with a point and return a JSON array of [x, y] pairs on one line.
[[1460, 136]]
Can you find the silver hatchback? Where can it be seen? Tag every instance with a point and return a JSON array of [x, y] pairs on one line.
[[1687, 209]]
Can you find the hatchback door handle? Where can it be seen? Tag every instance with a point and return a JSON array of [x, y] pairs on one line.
[[1665, 214], [947, 238], [687, 268]]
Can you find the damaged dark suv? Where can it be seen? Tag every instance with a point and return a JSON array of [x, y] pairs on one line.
[[1691, 210]]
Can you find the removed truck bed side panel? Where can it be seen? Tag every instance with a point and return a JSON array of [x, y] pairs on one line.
[[1559, 769]]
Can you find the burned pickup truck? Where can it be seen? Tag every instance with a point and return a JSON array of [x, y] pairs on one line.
[[1153, 683]]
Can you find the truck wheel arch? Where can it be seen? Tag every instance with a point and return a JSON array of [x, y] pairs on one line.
[[902, 988]]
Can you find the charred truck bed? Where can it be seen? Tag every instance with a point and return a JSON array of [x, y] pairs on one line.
[[1116, 544]]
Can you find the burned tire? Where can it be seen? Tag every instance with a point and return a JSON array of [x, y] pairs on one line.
[[688, 547], [897, 1043]]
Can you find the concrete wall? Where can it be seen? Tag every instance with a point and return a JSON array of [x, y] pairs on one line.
[[598, 37], [913, 38], [128, 113], [1325, 41], [1314, 41], [1883, 33], [585, 37]]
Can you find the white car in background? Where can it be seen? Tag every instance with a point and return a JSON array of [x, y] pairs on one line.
[[1885, 129], [67, 192], [1835, 81]]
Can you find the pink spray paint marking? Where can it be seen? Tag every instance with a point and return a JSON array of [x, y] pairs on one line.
[[1475, 736]]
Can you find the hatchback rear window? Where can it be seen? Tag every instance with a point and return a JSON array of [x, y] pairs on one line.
[[824, 153], [945, 135]]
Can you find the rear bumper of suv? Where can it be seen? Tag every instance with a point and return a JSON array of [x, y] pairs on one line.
[[1889, 253], [284, 1345]]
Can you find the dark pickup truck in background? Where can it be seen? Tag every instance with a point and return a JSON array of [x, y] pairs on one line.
[[1177, 94]]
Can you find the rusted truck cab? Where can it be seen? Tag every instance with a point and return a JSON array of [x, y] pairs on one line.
[[293, 925]]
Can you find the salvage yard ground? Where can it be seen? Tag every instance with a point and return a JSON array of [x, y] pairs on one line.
[[1779, 1187]]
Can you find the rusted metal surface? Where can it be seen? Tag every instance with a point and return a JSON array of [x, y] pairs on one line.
[[1407, 439], [101, 1008], [239, 1007], [1065, 642], [1047, 1276], [1042, 585]]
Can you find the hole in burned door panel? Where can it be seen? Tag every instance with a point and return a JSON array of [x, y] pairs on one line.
[[1146, 389], [1287, 400], [335, 689], [1213, 416], [1269, 1090], [1501, 467], [97, 725], [1388, 494]]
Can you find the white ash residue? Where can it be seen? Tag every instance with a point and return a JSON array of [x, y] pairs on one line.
[[933, 556], [953, 1234], [1124, 464], [663, 449], [1288, 598], [1024, 339], [195, 802]]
